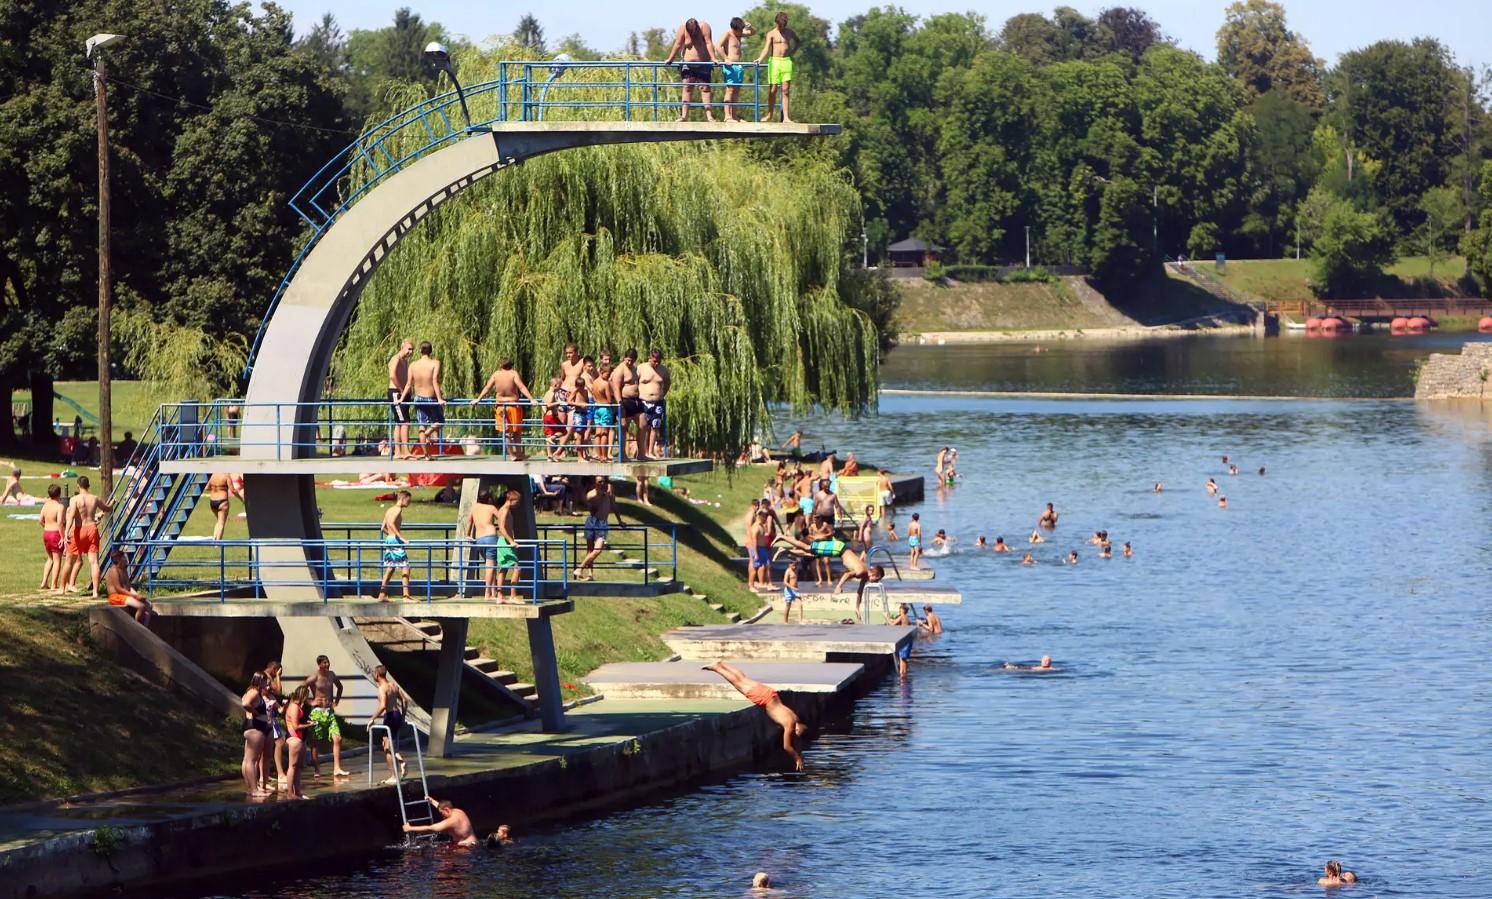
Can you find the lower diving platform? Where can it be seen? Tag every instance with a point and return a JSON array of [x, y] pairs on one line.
[[461, 465], [357, 607]]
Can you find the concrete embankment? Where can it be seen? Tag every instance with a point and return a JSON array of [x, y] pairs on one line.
[[614, 751]]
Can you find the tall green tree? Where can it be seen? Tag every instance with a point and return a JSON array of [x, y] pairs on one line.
[[381, 59], [1280, 166], [1350, 252], [1257, 47]]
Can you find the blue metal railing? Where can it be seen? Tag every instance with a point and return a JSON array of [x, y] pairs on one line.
[[352, 428], [649, 547], [625, 91], [339, 567]]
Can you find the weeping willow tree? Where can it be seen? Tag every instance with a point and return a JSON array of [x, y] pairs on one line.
[[728, 265]]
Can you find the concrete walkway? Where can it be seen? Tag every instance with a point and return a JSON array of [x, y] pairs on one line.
[[686, 680], [810, 642]]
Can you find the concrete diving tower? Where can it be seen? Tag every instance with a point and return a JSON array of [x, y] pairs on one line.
[[294, 351]]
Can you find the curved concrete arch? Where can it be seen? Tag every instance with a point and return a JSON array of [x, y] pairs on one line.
[[305, 327]]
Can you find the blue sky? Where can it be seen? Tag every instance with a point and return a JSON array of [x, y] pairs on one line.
[[1331, 26]]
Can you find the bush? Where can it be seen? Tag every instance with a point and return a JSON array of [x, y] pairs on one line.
[[934, 272], [1034, 275], [972, 273]]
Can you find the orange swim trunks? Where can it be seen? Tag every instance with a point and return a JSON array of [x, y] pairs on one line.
[[84, 540], [513, 415], [761, 694], [117, 599]]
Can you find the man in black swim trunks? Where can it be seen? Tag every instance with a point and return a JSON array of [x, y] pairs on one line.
[[695, 40], [392, 705], [398, 391]]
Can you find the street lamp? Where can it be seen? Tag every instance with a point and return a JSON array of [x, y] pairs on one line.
[[105, 398], [864, 248], [440, 58], [1028, 246], [561, 63]]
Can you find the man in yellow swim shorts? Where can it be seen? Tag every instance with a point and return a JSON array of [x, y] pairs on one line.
[[782, 42]]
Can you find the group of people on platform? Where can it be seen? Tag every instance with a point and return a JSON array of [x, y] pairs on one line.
[[590, 406], [698, 53]]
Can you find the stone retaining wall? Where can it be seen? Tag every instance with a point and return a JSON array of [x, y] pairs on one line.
[[1444, 376]]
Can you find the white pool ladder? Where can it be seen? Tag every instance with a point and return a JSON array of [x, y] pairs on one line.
[[425, 812]]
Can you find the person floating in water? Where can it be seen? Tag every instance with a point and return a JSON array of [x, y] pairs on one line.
[[1105, 550], [1000, 546], [766, 697], [1027, 560], [1072, 557], [1128, 552], [1222, 502], [1211, 487], [453, 823], [1048, 518], [940, 539], [1335, 876], [1158, 487], [501, 837], [1036, 537], [1261, 471], [1045, 666], [981, 543], [1225, 460], [1233, 469]]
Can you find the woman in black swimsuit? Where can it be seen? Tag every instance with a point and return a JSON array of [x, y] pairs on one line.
[[256, 732]]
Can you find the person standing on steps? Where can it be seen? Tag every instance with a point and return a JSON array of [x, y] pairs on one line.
[[694, 40], [762, 695], [782, 43], [221, 488], [395, 554], [392, 707], [731, 69], [429, 402], [602, 505], [398, 391], [326, 688]]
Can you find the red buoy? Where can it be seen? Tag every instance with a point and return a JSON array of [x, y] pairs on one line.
[[1313, 324], [1485, 324], [1419, 323], [1399, 323]]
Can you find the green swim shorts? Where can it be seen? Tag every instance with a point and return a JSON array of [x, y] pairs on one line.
[[779, 69], [506, 558], [324, 724]]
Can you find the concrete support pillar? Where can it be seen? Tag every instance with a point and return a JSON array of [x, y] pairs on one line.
[[546, 675], [447, 685]]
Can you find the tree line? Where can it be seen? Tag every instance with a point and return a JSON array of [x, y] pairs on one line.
[[1113, 147]]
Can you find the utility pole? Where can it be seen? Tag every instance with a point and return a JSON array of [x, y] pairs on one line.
[[1028, 246], [864, 249], [105, 398]]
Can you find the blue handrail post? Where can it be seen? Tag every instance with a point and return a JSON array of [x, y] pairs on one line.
[[627, 92], [222, 571], [673, 539], [655, 92], [756, 92], [645, 560]]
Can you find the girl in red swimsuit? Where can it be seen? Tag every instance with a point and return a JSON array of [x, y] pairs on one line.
[[295, 727]]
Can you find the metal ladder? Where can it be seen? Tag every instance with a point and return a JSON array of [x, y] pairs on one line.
[[427, 812], [880, 586]]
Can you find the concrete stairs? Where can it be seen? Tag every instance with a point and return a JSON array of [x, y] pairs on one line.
[[425, 633]]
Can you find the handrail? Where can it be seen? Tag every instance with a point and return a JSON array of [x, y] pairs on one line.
[[365, 162], [871, 550]]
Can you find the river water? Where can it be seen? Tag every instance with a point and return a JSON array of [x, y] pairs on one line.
[[1301, 676]]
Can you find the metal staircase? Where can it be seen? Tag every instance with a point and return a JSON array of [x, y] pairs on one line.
[[149, 504]]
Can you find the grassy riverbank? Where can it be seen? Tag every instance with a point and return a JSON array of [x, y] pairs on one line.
[[1287, 280]]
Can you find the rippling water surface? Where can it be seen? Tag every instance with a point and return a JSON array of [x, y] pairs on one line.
[[1301, 676]]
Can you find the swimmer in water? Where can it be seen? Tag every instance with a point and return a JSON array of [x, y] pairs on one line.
[[1225, 460], [453, 823], [1128, 553], [1000, 546], [980, 543], [1036, 537], [1044, 666], [501, 837], [1158, 487], [1232, 469], [1261, 471], [1335, 876], [930, 621], [1048, 518], [1222, 502], [1211, 487], [1027, 560], [1072, 557], [761, 881], [940, 539], [1105, 550], [1099, 538]]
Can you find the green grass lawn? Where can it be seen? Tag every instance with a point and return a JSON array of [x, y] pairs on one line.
[[1284, 280], [133, 404]]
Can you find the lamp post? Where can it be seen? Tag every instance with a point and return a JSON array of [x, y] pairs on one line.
[[1028, 246], [438, 56], [105, 398], [864, 248]]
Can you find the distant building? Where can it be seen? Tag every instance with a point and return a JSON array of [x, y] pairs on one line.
[[913, 252]]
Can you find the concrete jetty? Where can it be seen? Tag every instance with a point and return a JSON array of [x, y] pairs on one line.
[[811, 642], [925, 573], [686, 680]]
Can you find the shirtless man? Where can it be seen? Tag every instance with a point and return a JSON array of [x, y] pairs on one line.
[[81, 527], [886, 495], [122, 592], [398, 390], [782, 43], [826, 466], [506, 387], [696, 42], [652, 388], [759, 537], [429, 402], [766, 697], [51, 539], [220, 488], [941, 464], [1000, 546], [1048, 518], [1045, 667], [13, 494], [572, 367], [1211, 487], [392, 707], [602, 505], [914, 539], [482, 528], [603, 411], [732, 71], [930, 621], [854, 566], [395, 556], [453, 823], [326, 688], [507, 548], [624, 388], [1335, 876]]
